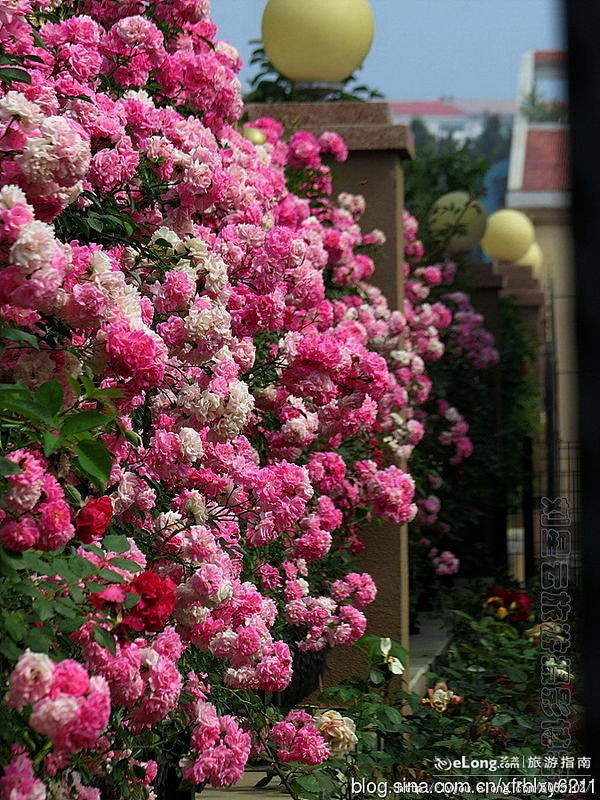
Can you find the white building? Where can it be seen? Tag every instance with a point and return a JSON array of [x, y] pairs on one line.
[[461, 119]]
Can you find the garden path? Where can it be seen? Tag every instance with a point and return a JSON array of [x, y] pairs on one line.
[[245, 789]]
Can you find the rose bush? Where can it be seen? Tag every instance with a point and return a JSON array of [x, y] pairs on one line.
[[202, 400]]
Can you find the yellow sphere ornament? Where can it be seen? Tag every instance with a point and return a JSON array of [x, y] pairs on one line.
[[254, 135], [532, 258], [509, 235], [317, 40], [458, 221]]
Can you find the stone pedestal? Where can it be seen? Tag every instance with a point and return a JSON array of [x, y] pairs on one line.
[[377, 148], [374, 169]]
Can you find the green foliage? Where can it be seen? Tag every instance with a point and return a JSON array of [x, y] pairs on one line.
[[71, 431], [13, 68], [443, 165], [520, 395], [493, 143], [489, 664], [270, 86], [499, 403], [435, 172], [535, 109]]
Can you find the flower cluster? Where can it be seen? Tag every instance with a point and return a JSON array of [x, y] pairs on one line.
[[171, 289], [297, 739], [467, 337], [40, 517], [444, 337], [509, 604], [220, 748], [67, 705], [444, 563]]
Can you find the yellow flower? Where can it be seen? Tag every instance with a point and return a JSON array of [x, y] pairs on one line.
[[440, 697]]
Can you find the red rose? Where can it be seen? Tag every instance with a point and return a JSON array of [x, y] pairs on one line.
[[156, 603], [93, 519], [509, 603], [498, 592], [523, 605]]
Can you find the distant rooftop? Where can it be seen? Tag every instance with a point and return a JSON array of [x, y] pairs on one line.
[[549, 64], [453, 107], [425, 108], [549, 56]]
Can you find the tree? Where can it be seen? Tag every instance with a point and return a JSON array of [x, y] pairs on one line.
[[493, 143], [422, 134]]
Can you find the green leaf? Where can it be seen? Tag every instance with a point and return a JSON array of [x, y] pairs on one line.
[[76, 593], [50, 395], [308, 782], [33, 562], [75, 493], [111, 393], [15, 560], [95, 460], [64, 570], [51, 443], [94, 586], [93, 548], [14, 625], [376, 677], [65, 607], [105, 639], [131, 600], [84, 421], [110, 576], [14, 75], [18, 335], [81, 566], [14, 389], [393, 715], [69, 624], [8, 467], [38, 640], [9, 649], [44, 608], [95, 223], [125, 563], [26, 408], [116, 543]]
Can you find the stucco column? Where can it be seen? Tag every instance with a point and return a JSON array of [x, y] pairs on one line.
[[377, 148]]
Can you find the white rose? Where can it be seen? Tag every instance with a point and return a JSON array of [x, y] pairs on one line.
[[338, 732]]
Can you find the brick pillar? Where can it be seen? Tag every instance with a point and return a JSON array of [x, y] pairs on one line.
[[374, 169]]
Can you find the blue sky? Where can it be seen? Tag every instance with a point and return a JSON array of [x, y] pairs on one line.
[[425, 49]]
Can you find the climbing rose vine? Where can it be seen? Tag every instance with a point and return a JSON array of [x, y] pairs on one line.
[[202, 400]]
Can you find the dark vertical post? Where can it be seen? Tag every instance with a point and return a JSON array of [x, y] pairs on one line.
[[550, 406], [583, 32], [527, 508]]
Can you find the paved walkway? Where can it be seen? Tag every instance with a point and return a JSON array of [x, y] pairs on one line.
[[245, 789], [424, 647]]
